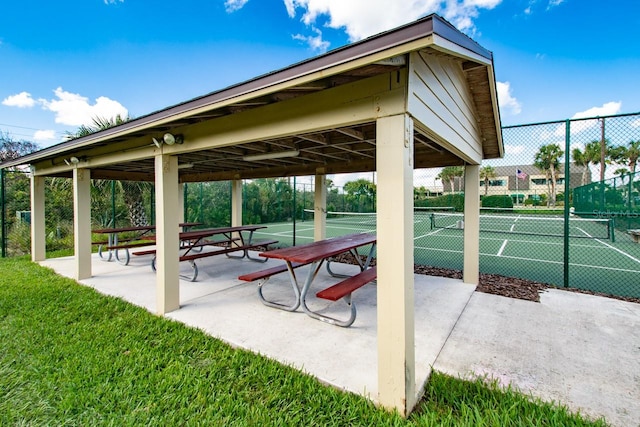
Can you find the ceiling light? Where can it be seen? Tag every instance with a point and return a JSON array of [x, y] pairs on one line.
[[72, 161], [271, 155], [168, 139], [185, 166]]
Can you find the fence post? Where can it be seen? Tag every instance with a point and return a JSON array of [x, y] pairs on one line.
[[3, 218], [567, 187]]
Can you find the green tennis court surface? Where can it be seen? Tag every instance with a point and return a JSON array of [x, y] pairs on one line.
[[511, 245]]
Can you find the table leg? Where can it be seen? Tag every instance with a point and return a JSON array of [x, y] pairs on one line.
[[296, 292], [244, 251]]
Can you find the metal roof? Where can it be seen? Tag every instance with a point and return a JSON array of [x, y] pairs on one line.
[[336, 150]]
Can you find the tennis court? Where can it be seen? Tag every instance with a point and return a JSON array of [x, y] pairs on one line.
[[528, 247]]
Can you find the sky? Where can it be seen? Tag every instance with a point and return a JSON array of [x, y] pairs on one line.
[[62, 63]]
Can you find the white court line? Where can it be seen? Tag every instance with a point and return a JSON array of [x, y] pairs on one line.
[[624, 270], [502, 247], [429, 234], [558, 243], [611, 247]]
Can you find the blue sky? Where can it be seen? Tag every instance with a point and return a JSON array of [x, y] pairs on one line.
[[64, 62]]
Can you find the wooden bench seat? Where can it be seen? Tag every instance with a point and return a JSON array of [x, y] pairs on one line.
[[131, 245], [348, 285], [635, 235], [266, 273], [344, 290]]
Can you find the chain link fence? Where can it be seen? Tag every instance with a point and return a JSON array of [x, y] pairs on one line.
[[561, 207]]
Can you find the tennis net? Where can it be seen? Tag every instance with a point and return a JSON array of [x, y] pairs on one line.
[[594, 228], [367, 220]]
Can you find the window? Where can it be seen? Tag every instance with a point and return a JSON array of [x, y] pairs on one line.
[[494, 183], [543, 181]]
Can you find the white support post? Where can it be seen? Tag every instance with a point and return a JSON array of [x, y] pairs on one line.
[[180, 203], [38, 234], [396, 326], [167, 239], [471, 267], [320, 208], [236, 206], [82, 222], [236, 202]]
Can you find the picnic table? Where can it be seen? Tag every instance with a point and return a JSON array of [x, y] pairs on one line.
[[226, 240], [139, 234], [315, 254]]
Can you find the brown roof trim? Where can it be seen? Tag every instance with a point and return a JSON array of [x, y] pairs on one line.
[[431, 24]]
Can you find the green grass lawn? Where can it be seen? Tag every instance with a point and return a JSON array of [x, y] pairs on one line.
[[71, 356]]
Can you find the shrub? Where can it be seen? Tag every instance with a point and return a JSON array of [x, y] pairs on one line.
[[448, 200], [497, 202]]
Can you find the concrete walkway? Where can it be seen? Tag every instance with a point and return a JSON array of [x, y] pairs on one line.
[[579, 350]]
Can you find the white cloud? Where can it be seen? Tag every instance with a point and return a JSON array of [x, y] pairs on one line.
[[21, 100], [44, 135], [514, 149], [73, 109], [506, 100], [233, 5], [113, 1], [363, 18], [554, 3], [315, 42], [607, 109], [635, 123]]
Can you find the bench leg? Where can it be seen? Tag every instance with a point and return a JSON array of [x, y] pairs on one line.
[[332, 320], [195, 272], [356, 256], [189, 278], [258, 259], [313, 272], [124, 260], [296, 292], [102, 255], [244, 254]]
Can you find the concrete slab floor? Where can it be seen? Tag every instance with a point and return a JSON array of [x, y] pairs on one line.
[[579, 350]]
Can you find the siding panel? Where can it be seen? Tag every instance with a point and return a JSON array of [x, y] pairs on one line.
[[440, 100]]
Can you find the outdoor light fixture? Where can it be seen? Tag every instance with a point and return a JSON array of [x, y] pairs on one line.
[[169, 139], [271, 155], [72, 161], [185, 166]]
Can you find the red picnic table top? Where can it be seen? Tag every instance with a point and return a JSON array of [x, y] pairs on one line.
[[207, 232], [321, 249], [139, 228]]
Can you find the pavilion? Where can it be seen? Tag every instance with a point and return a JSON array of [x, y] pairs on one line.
[[418, 96]]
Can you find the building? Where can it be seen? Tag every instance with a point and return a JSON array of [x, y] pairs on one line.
[[531, 185]]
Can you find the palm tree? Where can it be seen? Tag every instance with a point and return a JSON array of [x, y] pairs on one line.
[[632, 153], [487, 173], [99, 124], [447, 174], [132, 192], [547, 159], [459, 173], [580, 158]]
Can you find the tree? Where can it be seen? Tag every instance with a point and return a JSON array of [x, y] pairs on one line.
[[12, 149], [361, 195], [547, 159], [99, 124], [580, 158], [132, 191], [631, 153], [450, 173], [487, 173]]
